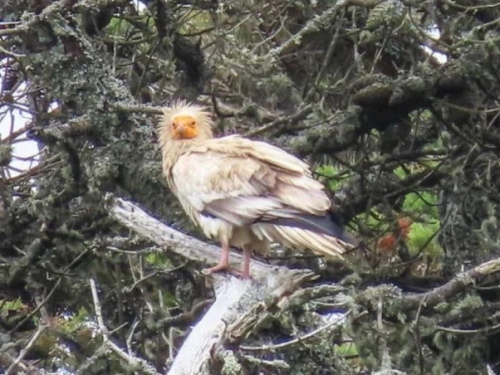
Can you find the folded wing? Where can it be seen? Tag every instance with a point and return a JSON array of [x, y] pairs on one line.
[[256, 185]]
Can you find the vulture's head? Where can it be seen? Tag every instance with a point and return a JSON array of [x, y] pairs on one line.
[[183, 121]]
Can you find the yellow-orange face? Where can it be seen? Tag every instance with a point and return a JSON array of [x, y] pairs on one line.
[[184, 127]]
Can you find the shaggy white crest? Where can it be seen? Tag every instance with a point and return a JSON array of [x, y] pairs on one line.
[[183, 108]]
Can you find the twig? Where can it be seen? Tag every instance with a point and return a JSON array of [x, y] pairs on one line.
[[130, 358], [185, 317], [130, 336], [298, 339], [318, 23], [13, 54], [32, 313], [418, 342], [25, 350], [474, 8], [83, 369], [456, 285], [280, 120], [489, 330], [315, 24], [223, 110], [274, 302], [128, 289], [17, 133], [9, 23], [137, 108], [97, 306], [385, 365], [277, 363], [224, 114], [324, 65]]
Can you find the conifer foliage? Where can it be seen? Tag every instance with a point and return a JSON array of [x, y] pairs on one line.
[[394, 104]]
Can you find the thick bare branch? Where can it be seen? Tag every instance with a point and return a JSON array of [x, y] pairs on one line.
[[234, 297]]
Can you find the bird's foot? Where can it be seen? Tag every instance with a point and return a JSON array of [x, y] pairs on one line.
[[225, 267]]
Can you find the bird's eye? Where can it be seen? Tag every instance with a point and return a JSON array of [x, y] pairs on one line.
[[193, 123], [174, 125]]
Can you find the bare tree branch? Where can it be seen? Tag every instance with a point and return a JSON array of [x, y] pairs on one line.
[[234, 297], [107, 342], [26, 349]]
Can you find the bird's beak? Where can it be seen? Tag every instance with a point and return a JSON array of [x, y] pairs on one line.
[[185, 127], [180, 130]]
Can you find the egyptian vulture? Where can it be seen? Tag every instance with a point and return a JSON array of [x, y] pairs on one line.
[[244, 193]]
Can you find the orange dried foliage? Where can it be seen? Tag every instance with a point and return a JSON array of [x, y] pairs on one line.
[[387, 244]]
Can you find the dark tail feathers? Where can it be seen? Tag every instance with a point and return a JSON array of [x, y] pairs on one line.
[[330, 224]]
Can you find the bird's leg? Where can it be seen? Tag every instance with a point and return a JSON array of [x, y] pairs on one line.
[[247, 254], [223, 262]]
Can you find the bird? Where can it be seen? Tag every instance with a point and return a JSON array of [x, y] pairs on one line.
[[244, 193]]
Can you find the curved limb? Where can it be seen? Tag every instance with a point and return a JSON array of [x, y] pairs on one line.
[[247, 254], [223, 264]]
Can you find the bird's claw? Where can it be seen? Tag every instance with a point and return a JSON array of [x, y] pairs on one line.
[[226, 268]]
